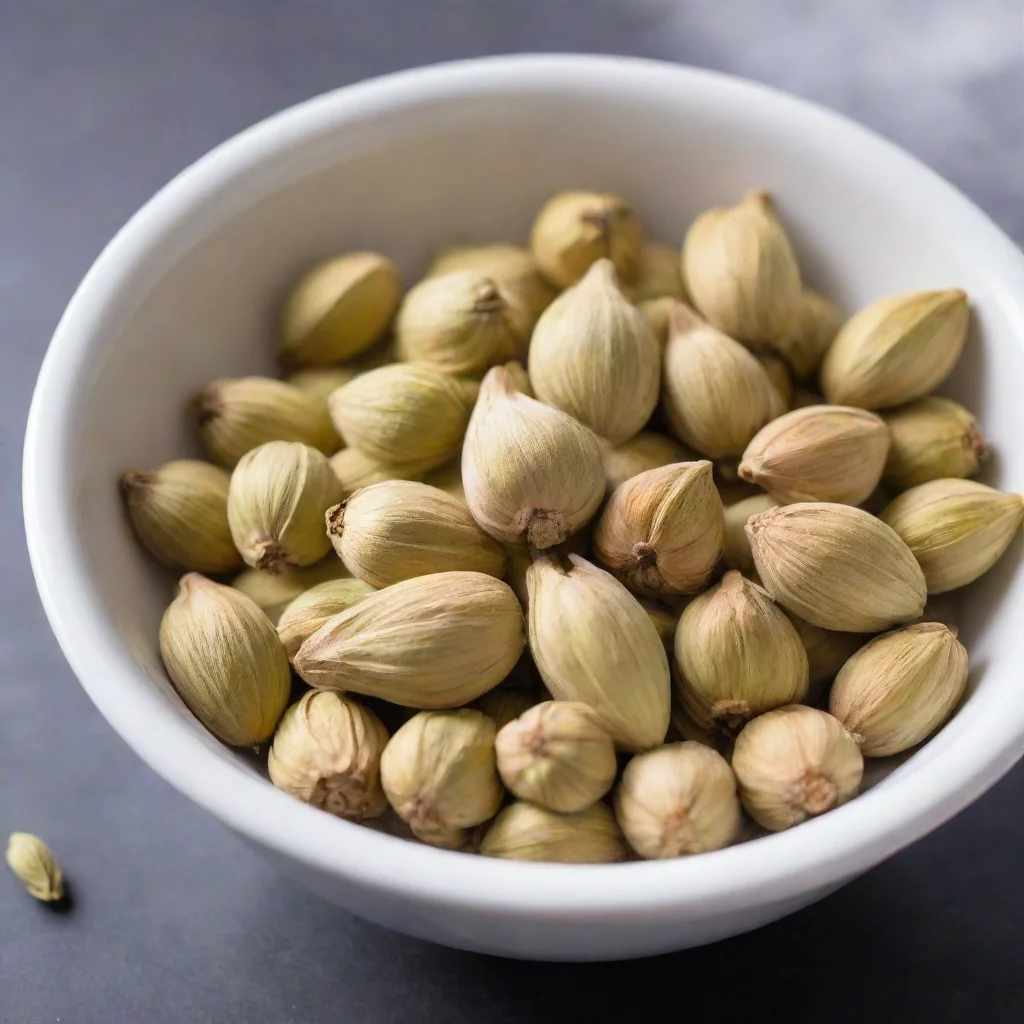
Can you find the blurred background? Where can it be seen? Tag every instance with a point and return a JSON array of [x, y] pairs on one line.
[[103, 102]]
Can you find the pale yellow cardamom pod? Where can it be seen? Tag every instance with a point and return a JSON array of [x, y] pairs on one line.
[[660, 274], [957, 529], [439, 774], [647, 450], [435, 641], [526, 832], [795, 763], [818, 453], [576, 229], [932, 438], [226, 661], [678, 799], [664, 619], [308, 611], [741, 271], [814, 328], [278, 495], [661, 531], [836, 566], [503, 705], [236, 415], [180, 513], [399, 529], [355, 470], [273, 592], [326, 752], [657, 313], [896, 350], [593, 356], [778, 374], [827, 652], [715, 393], [532, 474], [339, 309], [520, 378], [34, 863], [593, 642], [738, 656], [899, 688], [735, 545], [321, 381]]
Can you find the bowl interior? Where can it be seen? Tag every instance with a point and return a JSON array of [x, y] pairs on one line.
[[191, 290]]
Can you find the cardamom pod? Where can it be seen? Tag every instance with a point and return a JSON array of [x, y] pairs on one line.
[[735, 546], [896, 350], [957, 529], [355, 470], [524, 831], [836, 566], [321, 381], [448, 478], [278, 495], [815, 325], [661, 531], [660, 275], [778, 374], [664, 620], [647, 450], [309, 610], [532, 474], [273, 592], [34, 863], [657, 313], [827, 652], [503, 705], [435, 641]]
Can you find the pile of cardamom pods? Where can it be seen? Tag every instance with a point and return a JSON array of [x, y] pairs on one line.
[[476, 539]]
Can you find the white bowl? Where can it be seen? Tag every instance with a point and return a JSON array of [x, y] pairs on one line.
[[187, 291]]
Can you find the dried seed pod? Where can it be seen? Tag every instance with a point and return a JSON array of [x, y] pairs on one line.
[[557, 755], [735, 546], [741, 271], [898, 689], [932, 439], [326, 752], [657, 313], [34, 863], [660, 274], [503, 705], [957, 529], [896, 350], [593, 356], [594, 643], [355, 470], [575, 229], [815, 325], [180, 513], [678, 799], [526, 832], [403, 413], [448, 478], [431, 642], [309, 610], [818, 453], [339, 309], [836, 566], [532, 474], [319, 382], [716, 395], [647, 450], [738, 655], [794, 763], [775, 367], [273, 592], [827, 652], [236, 415], [396, 530], [665, 620], [225, 660], [661, 531], [278, 495], [439, 774]]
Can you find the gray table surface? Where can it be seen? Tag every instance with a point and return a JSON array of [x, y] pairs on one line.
[[101, 102]]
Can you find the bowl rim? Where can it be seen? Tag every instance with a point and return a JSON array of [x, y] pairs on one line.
[[821, 852]]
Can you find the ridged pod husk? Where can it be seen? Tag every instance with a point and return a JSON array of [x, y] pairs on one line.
[[439, 774], [463, 322], [957, 529], [503, 705], [355, 470], [532, 474], [827, 652], [778, 374], [593, 642], [399, 529], [647, 450], [661, 531], [660, 274], [431, 642], [794, 763], [818, 453], [836, 566], [932, 439], [896, 350], [404, 412], [741, 272], [326, 752], [898, 689], [576, 229], [664, 619], [657, 313], [716, 395], [235, 415], [678, 799], [320, 381], [307, 612], [273, 592], [557, 755], [735, 545], [339, 309], [524, 831], [814, 327], [738, 656], [593, 356], [278, 495], [225, 660], [35, 865], [180, 513]]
